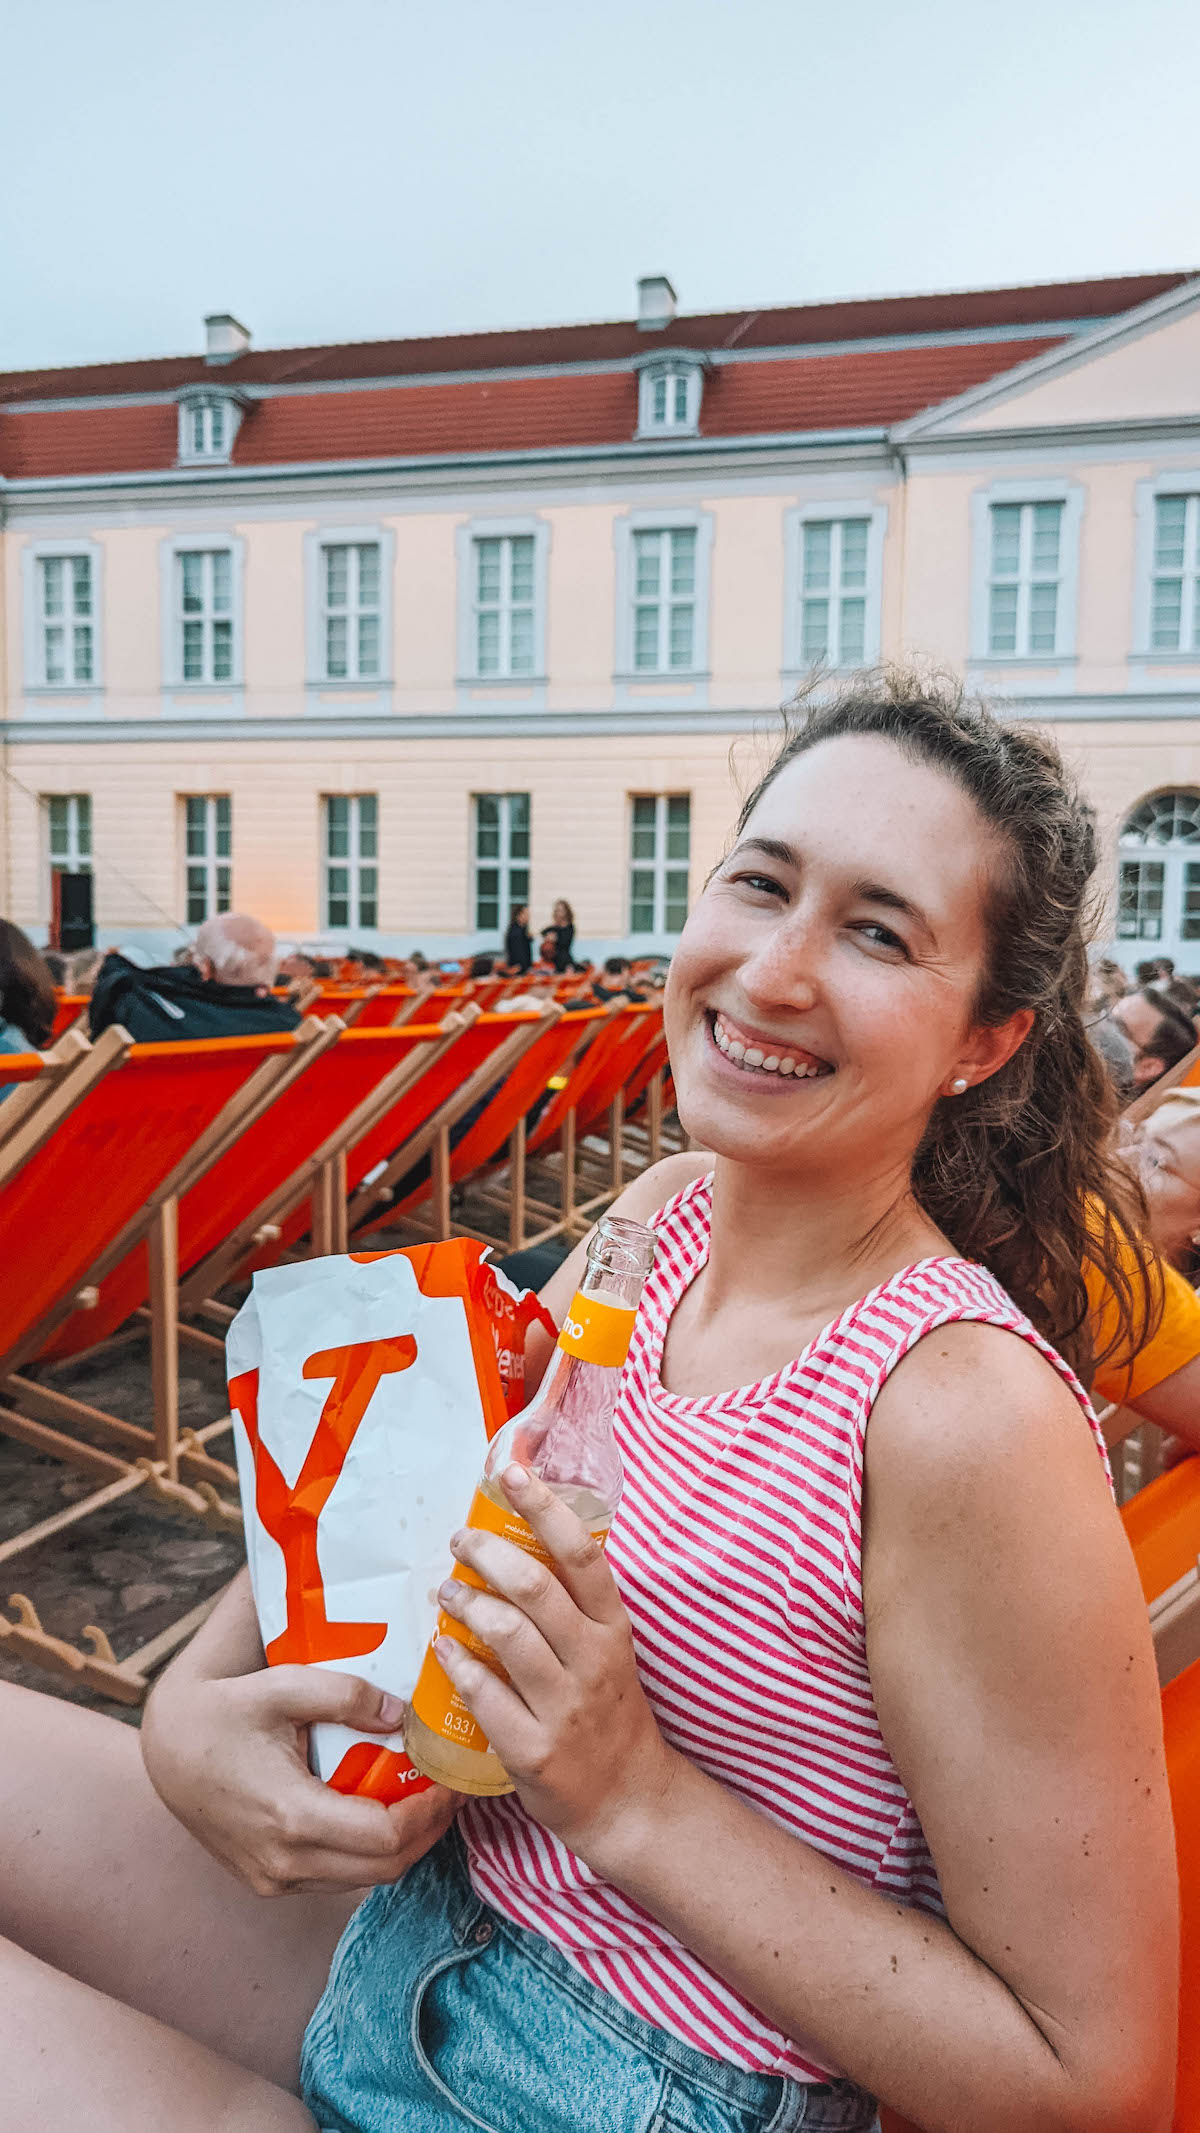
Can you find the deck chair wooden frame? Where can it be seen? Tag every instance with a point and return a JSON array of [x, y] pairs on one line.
[[29, 1076]]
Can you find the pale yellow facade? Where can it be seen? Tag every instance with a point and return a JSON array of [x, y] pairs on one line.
[[1101, 431]]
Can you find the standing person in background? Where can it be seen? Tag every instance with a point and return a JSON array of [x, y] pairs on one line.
[[26, 994], [518, 941], [562, 926]]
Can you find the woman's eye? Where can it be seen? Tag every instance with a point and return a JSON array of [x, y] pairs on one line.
[[883, 937], [763, 884]]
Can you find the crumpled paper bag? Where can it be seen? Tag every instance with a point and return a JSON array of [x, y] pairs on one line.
[[364, 1389]]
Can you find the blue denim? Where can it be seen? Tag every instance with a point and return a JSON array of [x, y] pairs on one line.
[[439, 2014]]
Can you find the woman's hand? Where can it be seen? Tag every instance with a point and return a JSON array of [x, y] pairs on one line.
[[571, 1725], [229, 1758]]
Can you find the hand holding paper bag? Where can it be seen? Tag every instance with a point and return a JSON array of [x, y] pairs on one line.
[[365, 1387]]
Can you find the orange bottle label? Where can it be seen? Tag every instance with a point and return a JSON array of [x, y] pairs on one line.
[[597, 1332], [435, 1699]]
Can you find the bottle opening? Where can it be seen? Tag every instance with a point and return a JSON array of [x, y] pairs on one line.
[[622, 1247]]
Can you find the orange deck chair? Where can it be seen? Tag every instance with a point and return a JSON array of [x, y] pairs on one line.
[[287, 1176], [484, 1047], [518, 1072]]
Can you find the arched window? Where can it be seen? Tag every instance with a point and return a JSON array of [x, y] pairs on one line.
[[1158, 883]]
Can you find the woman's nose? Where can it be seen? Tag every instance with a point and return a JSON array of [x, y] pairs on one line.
[[781, 972]]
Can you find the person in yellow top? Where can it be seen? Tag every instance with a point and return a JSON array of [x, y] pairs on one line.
[[1161, 1383]]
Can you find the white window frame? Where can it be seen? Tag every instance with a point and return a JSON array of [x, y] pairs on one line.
[[1070, 495], [625, 527], [1184, 481], [172, 551], [76, 858], [354, 862], [34, 554], [504, 864], [660, 866], [207, 404], [670, 371], [315, 544], [487, 529], [817, 512], [211, 860]]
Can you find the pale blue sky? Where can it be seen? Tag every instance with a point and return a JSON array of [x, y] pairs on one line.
[[350, 172]]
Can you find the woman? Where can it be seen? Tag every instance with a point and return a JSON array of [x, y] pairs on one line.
[[26, 994], [518, 942], [841, 1774], [562, 926]]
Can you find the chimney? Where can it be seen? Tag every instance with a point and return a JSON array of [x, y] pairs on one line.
[[656, 303], [226, 338]]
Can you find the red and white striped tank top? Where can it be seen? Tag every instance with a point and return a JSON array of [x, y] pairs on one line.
[[737, 1549]]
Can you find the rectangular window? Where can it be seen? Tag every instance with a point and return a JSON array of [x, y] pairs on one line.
[[204, 578], [501, 857], [350, 576], [69, 827], [664, 600], [1175, 587], [1023, 580], [65, 620], [833, 591], [1140, 900], [660, 850], [208, 855], [505, 581], [352, 860]]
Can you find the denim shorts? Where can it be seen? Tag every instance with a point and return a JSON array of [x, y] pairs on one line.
[[439, 2014]]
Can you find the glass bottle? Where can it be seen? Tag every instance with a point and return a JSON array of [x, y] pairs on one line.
[[565, 1436]]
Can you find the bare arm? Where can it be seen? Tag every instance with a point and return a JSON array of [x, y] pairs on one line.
[[1012, 1670], [1173, 1405]]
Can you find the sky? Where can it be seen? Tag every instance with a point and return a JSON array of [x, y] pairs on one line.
[[331, 172]]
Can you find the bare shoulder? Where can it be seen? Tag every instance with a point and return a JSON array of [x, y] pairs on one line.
[[654, 1187], [971, 1406]]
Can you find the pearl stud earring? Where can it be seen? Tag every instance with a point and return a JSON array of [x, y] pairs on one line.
[[959, 1085]]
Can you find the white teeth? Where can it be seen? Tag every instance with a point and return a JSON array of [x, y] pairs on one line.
[[752, 1056]]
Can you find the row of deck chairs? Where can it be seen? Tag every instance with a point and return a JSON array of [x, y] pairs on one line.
[[138, 1181]]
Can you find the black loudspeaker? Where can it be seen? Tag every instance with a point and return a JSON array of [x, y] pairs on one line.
[[71, 925]]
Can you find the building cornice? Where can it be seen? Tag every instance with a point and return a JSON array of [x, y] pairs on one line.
[[503, 723]]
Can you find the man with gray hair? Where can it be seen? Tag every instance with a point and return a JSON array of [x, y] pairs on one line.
[[223, 990]]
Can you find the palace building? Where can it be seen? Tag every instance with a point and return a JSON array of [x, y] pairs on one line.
[[379, 640]]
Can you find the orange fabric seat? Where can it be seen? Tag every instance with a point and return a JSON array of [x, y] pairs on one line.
[[259, 1161], [104, 1161], [1162, 1523]]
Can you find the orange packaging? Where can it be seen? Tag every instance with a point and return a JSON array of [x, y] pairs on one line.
[[364, 1388]]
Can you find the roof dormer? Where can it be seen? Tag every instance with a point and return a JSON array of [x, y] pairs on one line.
[[670, 384], [208, 423]]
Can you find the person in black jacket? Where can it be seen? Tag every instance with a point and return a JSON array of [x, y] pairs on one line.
[[224, 991], [518, 941], [562, 926]]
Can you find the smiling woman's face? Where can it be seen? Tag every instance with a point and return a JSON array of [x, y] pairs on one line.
[[821, 996]]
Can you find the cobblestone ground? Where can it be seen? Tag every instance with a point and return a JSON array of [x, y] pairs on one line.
[[133, 1568]]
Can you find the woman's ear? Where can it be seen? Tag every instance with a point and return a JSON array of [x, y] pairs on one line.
[[991, 1045]]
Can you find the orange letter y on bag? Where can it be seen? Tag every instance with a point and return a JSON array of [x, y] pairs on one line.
[[290, 1515]]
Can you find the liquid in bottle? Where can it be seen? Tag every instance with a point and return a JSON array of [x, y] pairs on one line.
[[564, 1436]]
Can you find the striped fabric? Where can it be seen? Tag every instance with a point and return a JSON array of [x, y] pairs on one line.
[[737, 1552]]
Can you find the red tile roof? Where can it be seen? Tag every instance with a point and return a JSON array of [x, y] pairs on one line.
[[859, 389], [787, 326]]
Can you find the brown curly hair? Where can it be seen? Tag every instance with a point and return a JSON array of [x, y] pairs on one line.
[[1018, 1172]]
